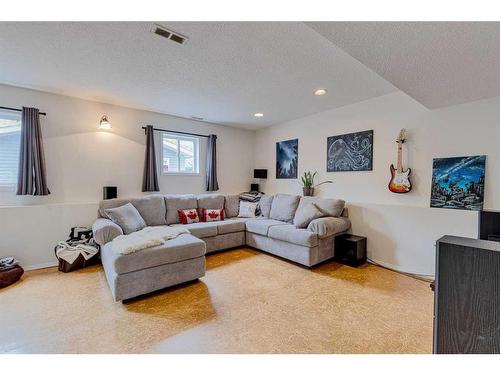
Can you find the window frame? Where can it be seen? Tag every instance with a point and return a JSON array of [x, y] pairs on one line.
[[196, 154], [10, 187]]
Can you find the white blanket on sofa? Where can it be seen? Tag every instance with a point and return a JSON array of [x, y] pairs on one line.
[[145, 238]]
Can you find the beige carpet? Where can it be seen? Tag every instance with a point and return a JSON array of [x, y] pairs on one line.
[[248, 302]]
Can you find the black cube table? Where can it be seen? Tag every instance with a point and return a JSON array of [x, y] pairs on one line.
[[350, 249]]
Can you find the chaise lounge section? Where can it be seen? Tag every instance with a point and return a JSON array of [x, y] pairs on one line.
[[300, 229]]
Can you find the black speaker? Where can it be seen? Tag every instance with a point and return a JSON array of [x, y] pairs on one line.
[[109, 192], [260, 173], [254, 187], [489, 225]]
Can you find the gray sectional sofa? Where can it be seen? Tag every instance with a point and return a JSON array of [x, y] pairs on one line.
[[301, 229]]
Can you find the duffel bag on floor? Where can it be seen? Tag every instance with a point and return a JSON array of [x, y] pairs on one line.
[[74, 255], [10, 272]]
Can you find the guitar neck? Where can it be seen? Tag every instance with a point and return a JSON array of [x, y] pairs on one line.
[[400, 155]]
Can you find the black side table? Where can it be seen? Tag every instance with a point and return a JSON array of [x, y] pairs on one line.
[[350, 250]]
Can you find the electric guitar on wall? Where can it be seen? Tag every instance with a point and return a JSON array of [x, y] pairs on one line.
[[400, 179]]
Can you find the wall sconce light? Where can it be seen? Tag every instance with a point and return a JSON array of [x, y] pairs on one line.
[[104, 123]]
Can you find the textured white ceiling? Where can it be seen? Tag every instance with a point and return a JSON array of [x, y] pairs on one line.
[[437, 63], [225, 72]]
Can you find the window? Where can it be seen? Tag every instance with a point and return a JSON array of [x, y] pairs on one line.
[[10, 137], [180, 154]]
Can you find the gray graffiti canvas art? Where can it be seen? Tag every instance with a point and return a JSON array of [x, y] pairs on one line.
[[350, 152]]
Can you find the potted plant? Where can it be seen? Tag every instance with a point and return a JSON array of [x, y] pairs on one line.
[[308, 183]]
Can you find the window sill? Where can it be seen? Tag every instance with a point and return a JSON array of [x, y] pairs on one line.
[[180, 174], [8, 188]]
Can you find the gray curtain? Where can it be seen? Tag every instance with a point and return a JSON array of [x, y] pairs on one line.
[[212, 184], [31, 176], [150, 176]]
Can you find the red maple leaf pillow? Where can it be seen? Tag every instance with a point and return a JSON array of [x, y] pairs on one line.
[[212, 214], [188, 216]]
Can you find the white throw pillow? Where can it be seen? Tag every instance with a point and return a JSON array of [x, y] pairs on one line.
[[247, 209]]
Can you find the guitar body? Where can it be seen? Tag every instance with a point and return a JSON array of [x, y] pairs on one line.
[[400, 181]]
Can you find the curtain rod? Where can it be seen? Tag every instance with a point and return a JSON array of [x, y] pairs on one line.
[[20, 110], [177, 132]]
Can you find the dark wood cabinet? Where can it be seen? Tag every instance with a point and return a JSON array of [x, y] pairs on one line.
[[467, 296]]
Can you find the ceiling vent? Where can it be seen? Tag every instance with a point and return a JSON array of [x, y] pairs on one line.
[[169, 34]]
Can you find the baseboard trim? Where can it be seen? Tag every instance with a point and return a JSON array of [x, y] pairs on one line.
[[374, 261], [395, 268], [40, 266]]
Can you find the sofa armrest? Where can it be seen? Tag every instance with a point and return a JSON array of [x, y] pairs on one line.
[[329, 226], [105, 230]]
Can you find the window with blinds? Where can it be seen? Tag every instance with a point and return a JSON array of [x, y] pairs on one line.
[[180, 154], [10, 135]]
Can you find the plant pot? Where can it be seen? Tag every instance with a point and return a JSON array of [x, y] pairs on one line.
[[308, 191]]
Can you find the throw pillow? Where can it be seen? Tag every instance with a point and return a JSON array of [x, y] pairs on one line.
[[247, 209], [329, 206], [127, 217], [212, 214], [188, 216], [265, 205], [283, 207], [305, 214]]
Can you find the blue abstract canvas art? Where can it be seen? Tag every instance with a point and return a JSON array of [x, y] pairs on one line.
[[458, 182], [350, 152], [287, 158]]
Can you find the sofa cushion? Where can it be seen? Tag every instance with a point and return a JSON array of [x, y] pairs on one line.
[[183, 247], [210, 201], [283, 207], [201, 230], [329, 206], [329, 226], [265, 203], [152, 209], [289, 233], [127, 217], [261, 226], [179, 202], [306, 212], [231, 225], [232, 205]]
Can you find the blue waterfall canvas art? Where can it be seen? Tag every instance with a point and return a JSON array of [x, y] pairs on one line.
[[458, 182], [350, 152], [287, 158]]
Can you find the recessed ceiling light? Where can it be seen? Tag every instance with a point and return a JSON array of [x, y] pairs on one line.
[[258, 114], [320, 92]]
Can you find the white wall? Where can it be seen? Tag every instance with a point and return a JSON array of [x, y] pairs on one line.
[[401, 228], [81, 160]]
